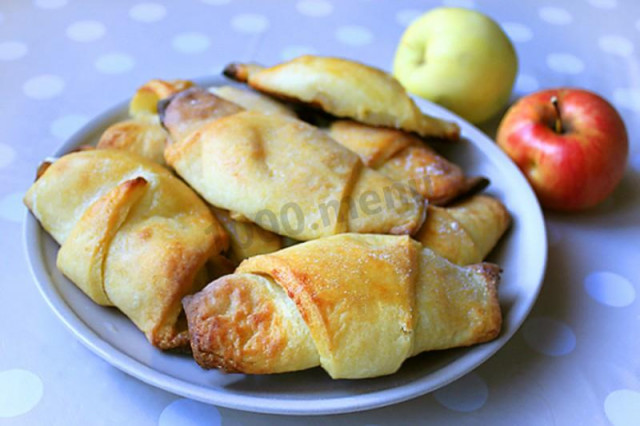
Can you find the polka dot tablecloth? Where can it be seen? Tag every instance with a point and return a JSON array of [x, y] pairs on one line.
[[576, 360]]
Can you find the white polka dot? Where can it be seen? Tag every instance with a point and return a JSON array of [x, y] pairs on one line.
[[20, 391], [294, 51], [86, 31], [216, 2], [622, 407], [469, 4], [11, 207], [517, 32], [604, 4], [65, 126], [526, 83], [628, 98], [114, 63], [616, 45], [610, 289], [7, 155], [12, 50], [548, 336], [565, 63], [555, 15], [186, 412], [315, 8], [250, 23], [405, 17], [466, 394], [190, 43], [147, 12], [43, 86], [50, 4], [354, 35]]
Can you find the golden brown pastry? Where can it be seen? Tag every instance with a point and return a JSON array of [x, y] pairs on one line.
[[145, 101], [132, 236], [466, 232], [346, 89], [281, 173], [405, 158], [143, 136], [252, 100], [246, 239], [357, 305]]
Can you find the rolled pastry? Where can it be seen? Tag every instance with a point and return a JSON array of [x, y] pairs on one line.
[[252, 100], [246, 239], [132, 236], [281, 173], [466, 232], [145, 100], [405, 158], [142, 133], [357, 305], [145, 136], [346, 89]]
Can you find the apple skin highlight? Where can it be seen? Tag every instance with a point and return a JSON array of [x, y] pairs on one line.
[[460, 59], [575, 169]]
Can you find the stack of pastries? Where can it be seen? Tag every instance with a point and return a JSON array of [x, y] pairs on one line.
[[297, 219]]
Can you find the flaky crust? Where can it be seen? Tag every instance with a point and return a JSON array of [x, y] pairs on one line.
[[344, 88], [246, 239], [466, 232], [356, 304], [303, 184], [252, 100], [143, 136], [132, 235], [405, 158]]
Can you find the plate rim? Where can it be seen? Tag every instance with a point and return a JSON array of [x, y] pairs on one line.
[[32, 240]]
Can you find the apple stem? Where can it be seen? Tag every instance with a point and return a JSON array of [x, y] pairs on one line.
[[558, 123]]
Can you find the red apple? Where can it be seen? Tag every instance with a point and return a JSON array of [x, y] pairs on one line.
[[571, 145]]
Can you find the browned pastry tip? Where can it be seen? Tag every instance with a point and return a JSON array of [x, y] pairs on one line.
[[236, 71], [471, 186], [42, 168]]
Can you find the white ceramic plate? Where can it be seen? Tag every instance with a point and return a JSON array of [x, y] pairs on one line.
[[108, 333]]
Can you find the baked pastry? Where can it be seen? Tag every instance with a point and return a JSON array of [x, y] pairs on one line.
[[357, 305], [346, 89], [465, 232], [405, 158], [132, 236], [246, 239], [142, 133], [281, 173], [145, 136], [145, 100], [252, 100]]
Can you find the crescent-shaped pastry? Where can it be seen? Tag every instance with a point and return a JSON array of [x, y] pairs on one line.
[[283, 174], [466, 232], [405, 158], [145, 136], [346, 89], [357, 305], [132, 236]]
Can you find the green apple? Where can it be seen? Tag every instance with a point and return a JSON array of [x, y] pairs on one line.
[[460, 59]]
